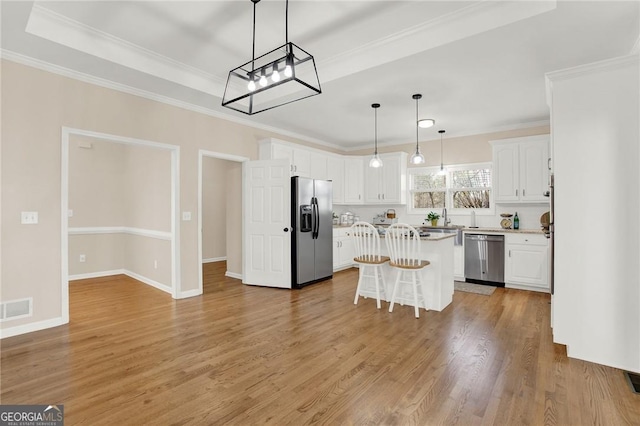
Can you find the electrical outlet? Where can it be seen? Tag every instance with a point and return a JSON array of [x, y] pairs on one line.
[[186, 215], [83, 258], [29, 218], [155, 264]]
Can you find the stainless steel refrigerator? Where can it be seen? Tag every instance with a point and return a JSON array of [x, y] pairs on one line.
[[312, 236]]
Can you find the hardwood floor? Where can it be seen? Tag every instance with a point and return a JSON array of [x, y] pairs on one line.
[[247, 355]]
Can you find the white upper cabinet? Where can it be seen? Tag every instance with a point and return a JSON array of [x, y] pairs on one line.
[[521, 169], [300, 158], [353, 174], [387, 184], [335, 173]]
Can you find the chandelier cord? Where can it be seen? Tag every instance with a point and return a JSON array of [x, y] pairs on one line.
[[253, 46], [376, 130], [286, 22]]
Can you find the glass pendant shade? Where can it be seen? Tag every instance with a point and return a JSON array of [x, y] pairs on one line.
[[375, 161], [417, 158]]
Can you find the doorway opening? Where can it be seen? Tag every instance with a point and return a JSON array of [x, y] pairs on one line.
[[125, 210], [220, 212]]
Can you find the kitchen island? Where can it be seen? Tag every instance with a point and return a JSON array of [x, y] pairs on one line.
[[437, 278]]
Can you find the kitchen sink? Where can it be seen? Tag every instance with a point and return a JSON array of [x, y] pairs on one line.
[[451, 229]]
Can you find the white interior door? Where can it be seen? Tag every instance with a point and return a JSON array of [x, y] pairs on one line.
[[267, 223]]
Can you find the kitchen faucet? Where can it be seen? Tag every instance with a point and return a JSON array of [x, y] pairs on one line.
[[447, 221]]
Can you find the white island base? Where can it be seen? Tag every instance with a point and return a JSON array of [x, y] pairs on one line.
[[436, 279]]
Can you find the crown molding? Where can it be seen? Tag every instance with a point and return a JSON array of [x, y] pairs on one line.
[[119, 87], [612, 63], [462, 23], [485, 131], [60, 29]]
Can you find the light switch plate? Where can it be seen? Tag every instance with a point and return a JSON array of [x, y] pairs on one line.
[[186, 215], [29, 218]]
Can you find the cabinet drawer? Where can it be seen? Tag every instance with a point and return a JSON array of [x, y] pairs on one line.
[[341, 232], [526, 239]]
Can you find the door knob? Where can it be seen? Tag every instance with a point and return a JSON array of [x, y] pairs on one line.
[[286, 229]]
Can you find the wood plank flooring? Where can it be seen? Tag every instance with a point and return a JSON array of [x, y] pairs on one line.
[[249, 355]]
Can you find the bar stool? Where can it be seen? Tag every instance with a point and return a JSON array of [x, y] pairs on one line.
[[366, 245], [403, 243]]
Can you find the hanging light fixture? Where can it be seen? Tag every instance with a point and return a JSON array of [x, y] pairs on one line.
[[259, 84], [417, 157], [375, 161], [442, 171]]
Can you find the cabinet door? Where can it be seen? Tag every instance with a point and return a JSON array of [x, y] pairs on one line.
[[301, 162], [534, 157], [336, 253], [335, 173], [392, 181], [506, 173], [372, 184], [346, 251], [458, 262], [527, 264], [353, 193]]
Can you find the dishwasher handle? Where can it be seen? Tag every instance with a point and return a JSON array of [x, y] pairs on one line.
[[483, 237]]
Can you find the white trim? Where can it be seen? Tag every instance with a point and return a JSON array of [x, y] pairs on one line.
[[233, 275], [99, 274], [123, 88], [65, 31], [214, 259], [64, 226], [31, 327], [222, 156], [148, 281], [617, 62], [92, 230], [189, 293]]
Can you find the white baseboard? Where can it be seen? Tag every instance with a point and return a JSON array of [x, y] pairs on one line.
[[214, 259], [149, 281], [233, 275], [189, 293], [31, 327], [141, 278], [96, 274]]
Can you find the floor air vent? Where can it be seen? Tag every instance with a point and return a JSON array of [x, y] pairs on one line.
[[15, 309], [634, 381]]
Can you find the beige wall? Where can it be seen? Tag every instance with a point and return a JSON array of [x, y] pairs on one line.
[[214, 207], [234, 220], [456, 150], [35, 106]]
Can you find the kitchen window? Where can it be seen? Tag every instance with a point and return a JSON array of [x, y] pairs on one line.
[[460, 189]]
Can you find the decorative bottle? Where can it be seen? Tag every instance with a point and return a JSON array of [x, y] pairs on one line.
[[516, 222]]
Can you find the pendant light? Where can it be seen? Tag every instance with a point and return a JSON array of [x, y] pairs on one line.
[[259, 84], [375, 161], [417, 157], [442, 171]]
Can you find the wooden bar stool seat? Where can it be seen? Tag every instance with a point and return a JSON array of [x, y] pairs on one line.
[[366, 245], [403, 243]]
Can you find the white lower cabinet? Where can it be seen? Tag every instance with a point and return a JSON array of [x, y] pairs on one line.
[[458, 263], [527, 262], [342, 249]]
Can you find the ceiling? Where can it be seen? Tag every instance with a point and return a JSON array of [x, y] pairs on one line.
[[479, 65]]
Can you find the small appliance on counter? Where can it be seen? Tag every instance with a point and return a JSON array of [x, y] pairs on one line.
[[506, 223]]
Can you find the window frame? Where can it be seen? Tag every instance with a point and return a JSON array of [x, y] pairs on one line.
[[449, 190]]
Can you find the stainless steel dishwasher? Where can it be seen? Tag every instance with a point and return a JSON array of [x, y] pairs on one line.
[[484, 259]]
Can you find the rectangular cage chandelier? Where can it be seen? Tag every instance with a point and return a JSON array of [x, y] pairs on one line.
[[284, 75]]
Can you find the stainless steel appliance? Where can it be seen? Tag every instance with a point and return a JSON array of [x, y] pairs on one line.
[[312, 236], [484, 259]]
